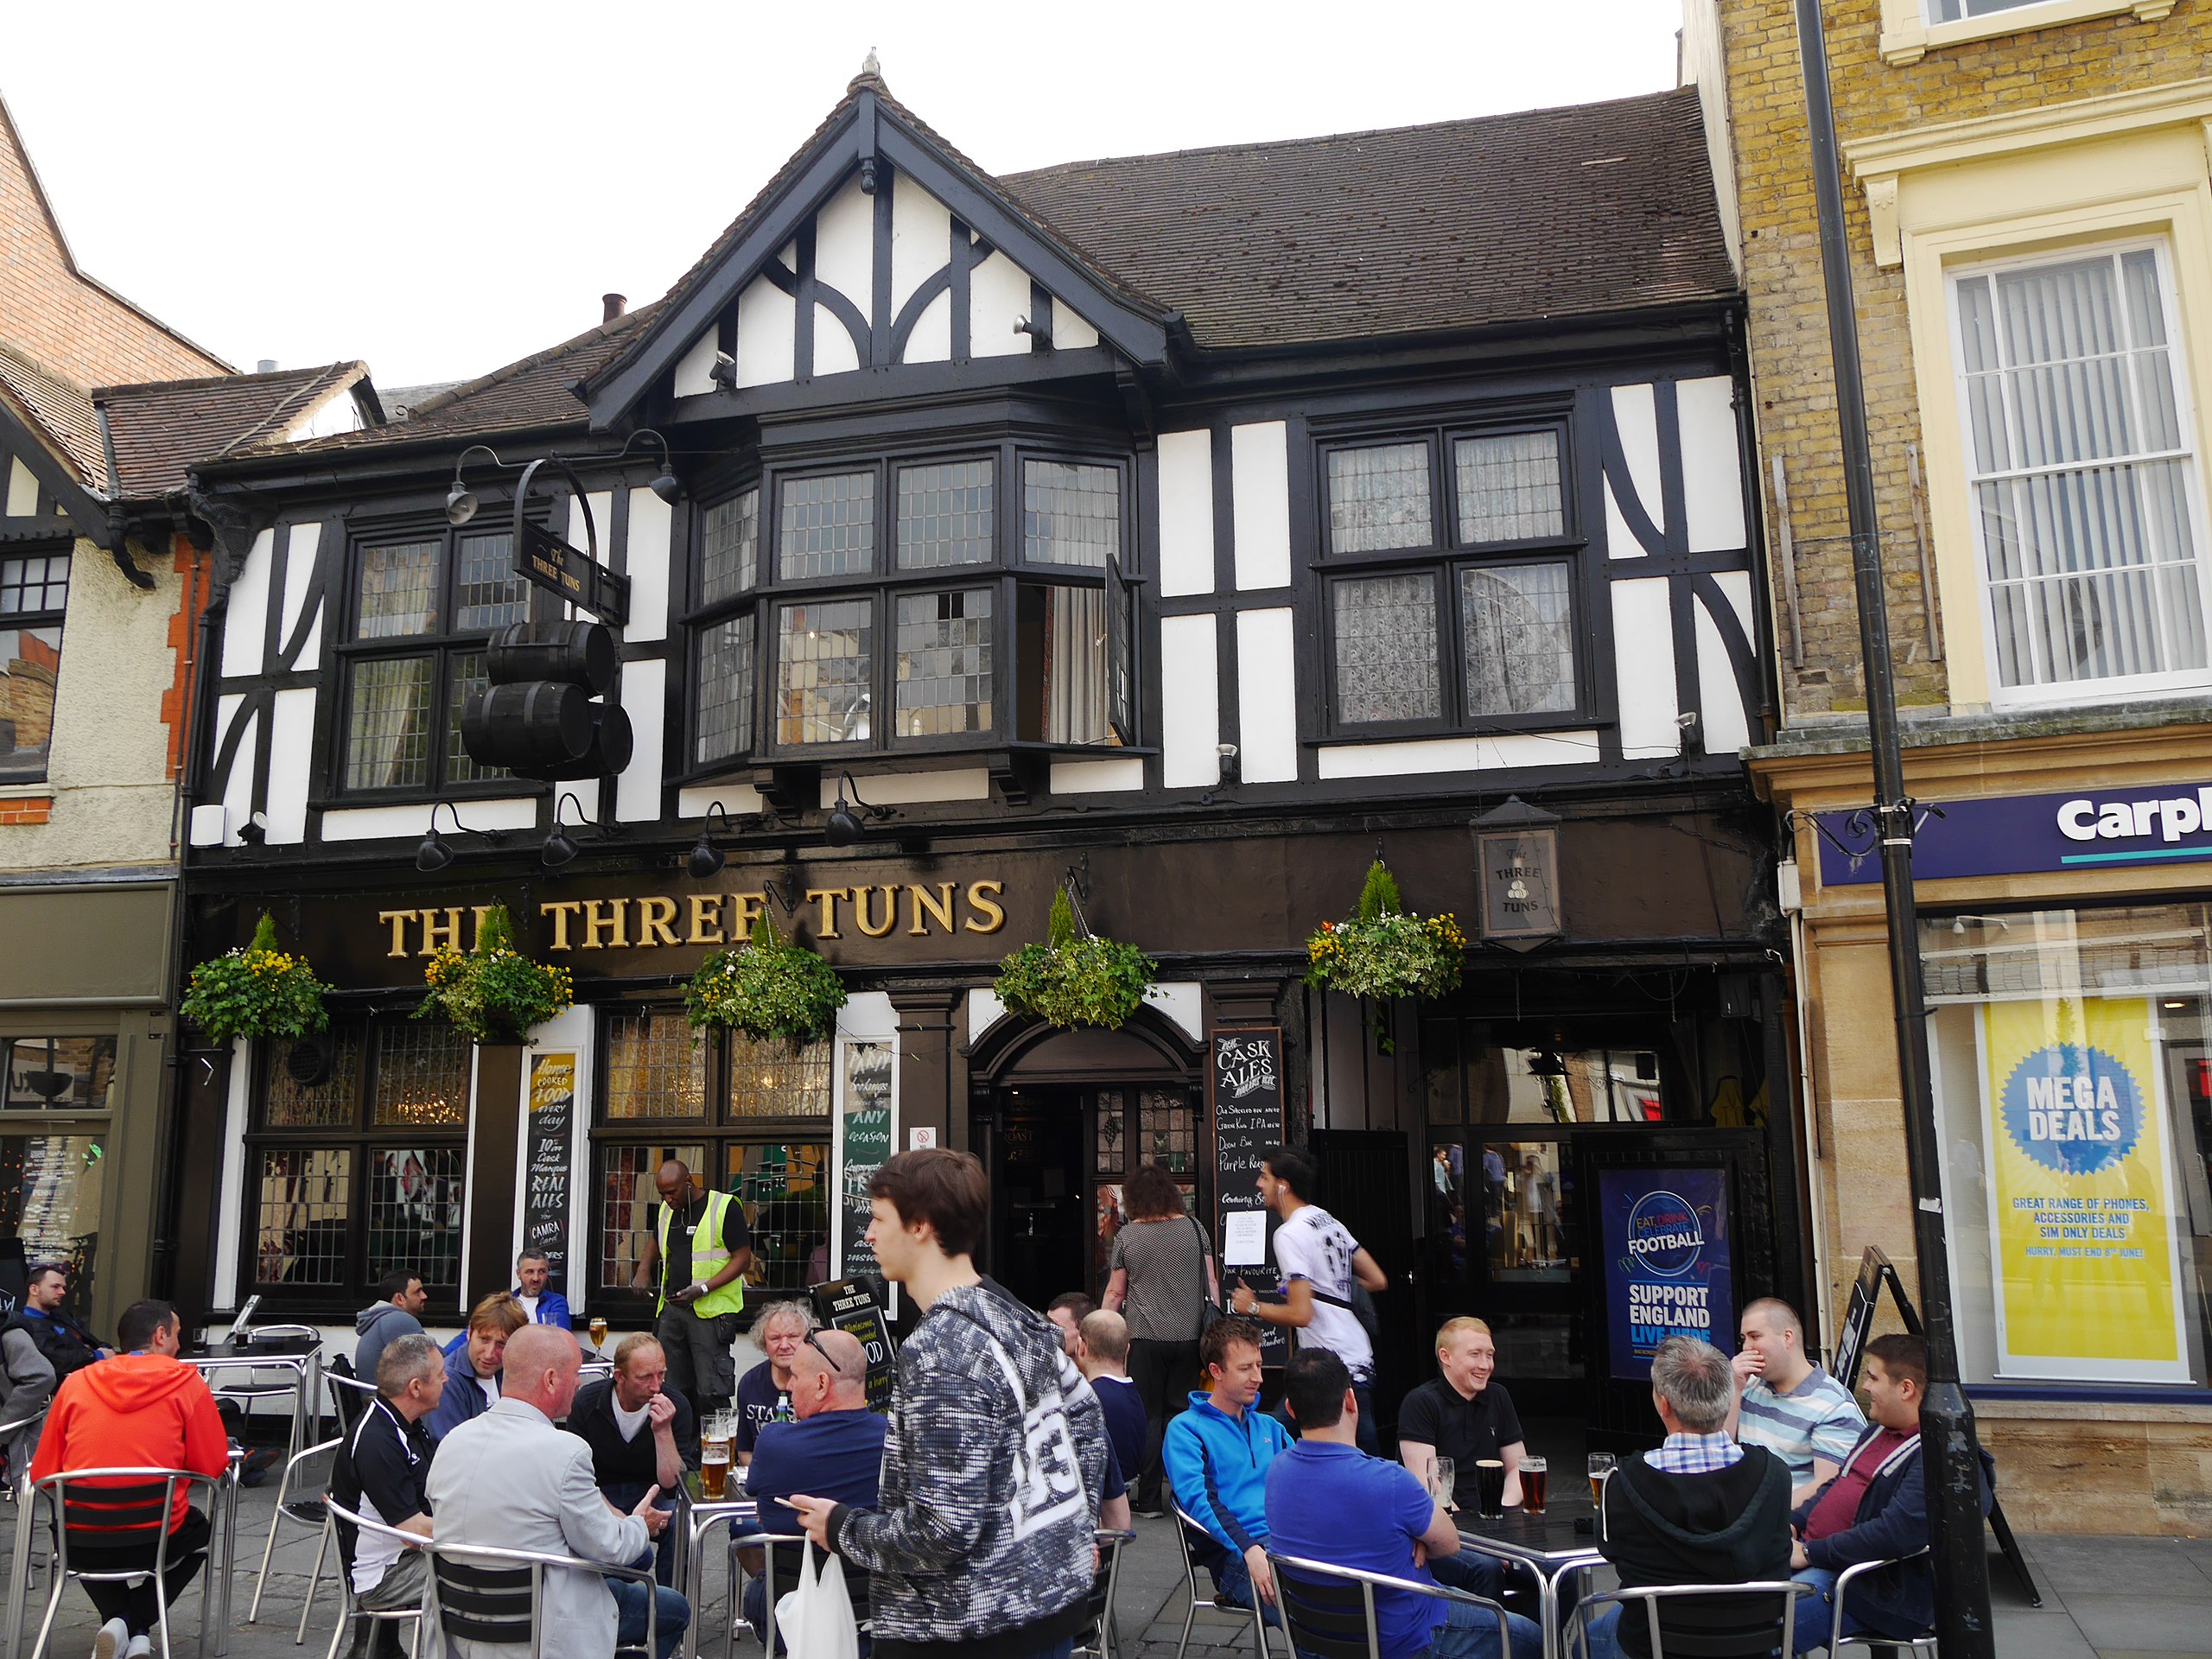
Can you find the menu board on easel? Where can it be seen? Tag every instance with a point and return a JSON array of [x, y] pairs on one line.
[[545, 1162], [1244, 1089]]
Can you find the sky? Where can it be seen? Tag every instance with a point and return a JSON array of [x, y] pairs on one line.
[[442, 188]]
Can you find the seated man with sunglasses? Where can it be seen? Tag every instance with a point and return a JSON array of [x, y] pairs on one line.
[[834, 1450]]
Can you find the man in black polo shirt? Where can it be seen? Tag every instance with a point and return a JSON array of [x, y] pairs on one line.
[[1462, 1416], [379, 1475], [637, 1429]]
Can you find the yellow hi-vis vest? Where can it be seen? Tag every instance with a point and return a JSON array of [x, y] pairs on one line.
[[707, 1261]]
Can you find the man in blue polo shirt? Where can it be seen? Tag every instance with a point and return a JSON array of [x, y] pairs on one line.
[[1328, 1501]]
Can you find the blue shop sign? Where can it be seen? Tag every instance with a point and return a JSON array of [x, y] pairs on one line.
[[2021, 835]]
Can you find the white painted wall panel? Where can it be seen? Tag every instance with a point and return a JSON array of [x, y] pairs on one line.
[[1267, 696], [844, 244], [246, 617], [931, 339], [768, 334], [1185, 513], [921, 238], [238, 787], [1069, 332], [1515, 751], [637, 792], [1720, 703], [1183, 1001], [1713, 469], [834, 351], [1635, 414], [1097, 777], [696, 366], [1259, 460], [207, 824], [291, 744], [299, 580], [390, 822], [984, 1011], [602, 503], [737, 800], [22, 490], [911, 788], [1644, 662], [584, 808], [1620, 540], [232, 1182], [1189, 701], [998, 295], [652, 555]]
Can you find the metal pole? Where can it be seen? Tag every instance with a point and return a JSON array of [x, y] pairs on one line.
[[1949, 1452]]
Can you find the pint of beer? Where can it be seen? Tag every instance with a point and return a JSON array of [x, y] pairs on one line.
[[599, 1331], [1535, 1475], [1489, 1487], [713, 1469], [1601, 1467]]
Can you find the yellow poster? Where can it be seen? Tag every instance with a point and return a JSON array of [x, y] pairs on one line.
[[2082, 1200]]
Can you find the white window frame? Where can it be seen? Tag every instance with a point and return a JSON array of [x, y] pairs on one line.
[[1909, 32], [2120, 688]]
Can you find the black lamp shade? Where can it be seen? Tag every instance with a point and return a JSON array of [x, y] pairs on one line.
[[843, 828], [559, 849], [461, 504], [666, 488], [433, 854], [705, 859]]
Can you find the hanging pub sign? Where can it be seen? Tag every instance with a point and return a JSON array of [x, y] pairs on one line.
[[571, 574], [855, 1306], [1517, 865]]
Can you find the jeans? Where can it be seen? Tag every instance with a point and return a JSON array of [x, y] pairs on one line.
[[1471, 1633], [1817, 1612], [624, 1496], [1232, 1582], [1470, 1570], [134, 1604], [671, 1614], [1165, 1374]]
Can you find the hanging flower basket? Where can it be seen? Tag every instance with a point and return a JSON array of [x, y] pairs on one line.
[[257, 991], [767, 987], [493, 994], [1385, 951], [1075, 978]]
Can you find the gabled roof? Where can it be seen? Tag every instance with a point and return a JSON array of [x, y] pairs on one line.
[[163, 430], [57, 413], [1580, 210]]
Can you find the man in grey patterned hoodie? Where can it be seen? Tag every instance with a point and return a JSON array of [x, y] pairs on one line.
[[995, 1463]]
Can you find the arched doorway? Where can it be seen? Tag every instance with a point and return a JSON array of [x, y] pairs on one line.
[[1061, 1119]]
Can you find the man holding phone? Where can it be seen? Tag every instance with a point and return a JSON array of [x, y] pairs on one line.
[[698, 1254]]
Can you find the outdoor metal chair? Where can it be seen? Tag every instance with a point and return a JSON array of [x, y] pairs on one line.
[[349, 1605], [301, 1511], [1924, 1647], [1702, 1630], [1101, 1639], [479, 1593], [1329, 1611], [142, 1503], [780, 1559], [1201, 1601], [15, 1443]]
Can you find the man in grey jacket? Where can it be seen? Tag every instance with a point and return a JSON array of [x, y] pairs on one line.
[[512, 1480], [994, 1461], [27, 1382], [397, 1314]]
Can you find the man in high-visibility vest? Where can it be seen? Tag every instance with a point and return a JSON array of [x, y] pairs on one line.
[[696, 1256]]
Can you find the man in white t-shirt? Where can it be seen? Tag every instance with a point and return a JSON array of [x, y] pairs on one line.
[[1318, 1263]]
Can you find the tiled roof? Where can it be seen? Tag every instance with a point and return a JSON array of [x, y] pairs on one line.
[[163, 430], [1586, 209], [63, 412]]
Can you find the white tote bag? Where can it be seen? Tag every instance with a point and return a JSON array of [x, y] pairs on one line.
[[816, 1618]]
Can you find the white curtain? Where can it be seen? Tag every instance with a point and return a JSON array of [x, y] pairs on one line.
[[1075, 666]]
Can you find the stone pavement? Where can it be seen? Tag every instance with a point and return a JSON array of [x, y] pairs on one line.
[[2103, 1599]]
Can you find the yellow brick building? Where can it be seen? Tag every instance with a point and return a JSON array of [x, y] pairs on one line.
[[2029, 222]]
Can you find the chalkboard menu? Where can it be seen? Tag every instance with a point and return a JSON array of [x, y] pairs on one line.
[[545, 1162], [857, 1305], [1245, 1078], [864, 1145]]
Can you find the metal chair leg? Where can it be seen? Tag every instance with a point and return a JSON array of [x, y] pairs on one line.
[[314, 1582], [269, 1549], [1182, 1648]]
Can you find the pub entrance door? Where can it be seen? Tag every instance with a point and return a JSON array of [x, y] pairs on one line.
[[1037, 1211]]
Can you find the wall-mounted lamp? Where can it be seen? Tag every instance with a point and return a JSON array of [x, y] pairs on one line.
[[724, 371], [705, 859], [845, 827], [255, 829], [561, 847], [435, 851], [460, 500], [1039, 332], [665, 484]]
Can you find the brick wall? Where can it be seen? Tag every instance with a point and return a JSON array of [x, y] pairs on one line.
[[26, 809], [196, 571], [1788, 316]]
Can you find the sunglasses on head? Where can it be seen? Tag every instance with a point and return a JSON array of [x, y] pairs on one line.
[[814, 1342]]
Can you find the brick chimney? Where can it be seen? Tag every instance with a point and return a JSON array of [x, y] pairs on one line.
[[612, 306]]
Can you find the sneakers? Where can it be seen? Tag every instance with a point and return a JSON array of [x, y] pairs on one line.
[[141, 1646], [113, 1639]]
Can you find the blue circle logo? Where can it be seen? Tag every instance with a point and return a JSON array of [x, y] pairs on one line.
[[2073, 1108], [1664, 1238]]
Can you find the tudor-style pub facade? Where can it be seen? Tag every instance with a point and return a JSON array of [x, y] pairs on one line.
[[1181, 531]]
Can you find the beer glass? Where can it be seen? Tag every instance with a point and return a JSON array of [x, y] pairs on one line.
[[1490, 1488], [1440, 1482], [598, 1331], [1601, 1466], [714, 1458], [1536, 1476]]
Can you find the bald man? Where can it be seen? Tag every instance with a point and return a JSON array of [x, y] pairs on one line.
[[834, 1450], [697, 1254]]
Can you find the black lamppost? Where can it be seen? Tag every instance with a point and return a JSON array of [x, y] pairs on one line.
[[1950, 1457]]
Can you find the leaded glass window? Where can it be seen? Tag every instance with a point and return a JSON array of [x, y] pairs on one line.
[[654, 1068], [946, 513], [829, 526], [306, 1206], [1385, 630], [421, 1075], [388, 723], [825, 664], [1517, 638], [1071, 513], [725, 726], [944, 663], [1379, 499], [488, 595], [1509, 487], [467, 676], [399, 590], [331, 1104], [730, 546], [772, 1079]]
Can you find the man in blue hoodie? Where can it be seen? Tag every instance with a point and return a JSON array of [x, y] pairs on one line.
[[472, 1370], [1875, 1509], [1217, 1454]]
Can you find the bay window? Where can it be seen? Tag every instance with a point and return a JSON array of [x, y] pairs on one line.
[[903, 606], [1449, 582]]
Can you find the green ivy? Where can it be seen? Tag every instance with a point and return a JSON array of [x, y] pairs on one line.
[[1072, 980], [493, 994], [768, 987], [259, 991]]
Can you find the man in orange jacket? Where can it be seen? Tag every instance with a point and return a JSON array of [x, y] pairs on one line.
[[143, 1409]]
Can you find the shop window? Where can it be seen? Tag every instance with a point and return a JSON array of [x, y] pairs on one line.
[[33, 595], [2072, 1055], [423, 607], [1439, 608], [1529, 1214], [654, 1068], [357, 1156], [60, 1074], [772, 1078], [2081, 474], [1468, 1078], [854, 638], [50, 1198]]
